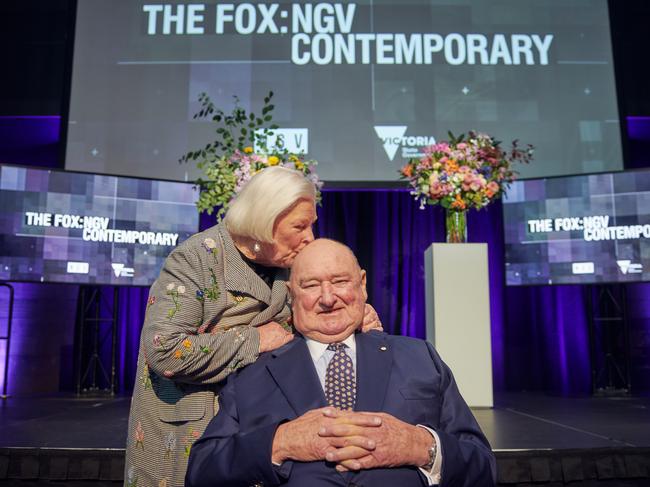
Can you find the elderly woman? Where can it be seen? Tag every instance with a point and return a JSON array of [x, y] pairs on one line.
[[219, 302]]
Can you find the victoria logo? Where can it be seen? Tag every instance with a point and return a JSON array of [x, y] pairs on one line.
[[627, 267], [393, 137], [121, 271]]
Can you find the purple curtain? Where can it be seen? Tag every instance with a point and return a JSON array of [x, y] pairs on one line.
[[540, 338], [539, 334]]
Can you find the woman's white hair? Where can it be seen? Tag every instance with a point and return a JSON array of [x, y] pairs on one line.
[[271, 192]]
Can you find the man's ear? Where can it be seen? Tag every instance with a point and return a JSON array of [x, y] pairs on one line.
[[363, 284]]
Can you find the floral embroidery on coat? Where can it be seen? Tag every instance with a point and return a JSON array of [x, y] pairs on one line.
[[188, 441], [163, 482], [169, 443], [210, 293], [145, 378], [138, 434], [187, 348], [131, 478], [210, 246], [174, 292], [237, 298]]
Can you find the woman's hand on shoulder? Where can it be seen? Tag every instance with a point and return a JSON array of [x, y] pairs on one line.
[[272, 336], [371, 320]]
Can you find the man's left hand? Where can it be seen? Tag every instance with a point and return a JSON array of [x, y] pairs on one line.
[[371, 320], [396, 443]]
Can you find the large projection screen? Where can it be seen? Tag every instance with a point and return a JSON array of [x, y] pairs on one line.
[[588, 229], [79, 228], [361, 87]]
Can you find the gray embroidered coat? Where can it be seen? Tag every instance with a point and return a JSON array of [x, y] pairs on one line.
[[199, 327]]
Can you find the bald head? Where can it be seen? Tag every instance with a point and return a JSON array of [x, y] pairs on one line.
[[329, 291], [321, 247]]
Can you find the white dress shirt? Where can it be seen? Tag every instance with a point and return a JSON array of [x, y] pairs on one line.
[[322, 356]]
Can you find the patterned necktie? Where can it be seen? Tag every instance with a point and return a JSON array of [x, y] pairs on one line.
[[340, 384]]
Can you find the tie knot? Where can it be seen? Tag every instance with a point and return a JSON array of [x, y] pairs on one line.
[[335, 347]]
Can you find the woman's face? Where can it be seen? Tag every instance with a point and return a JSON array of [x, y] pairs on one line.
[[291, 232]]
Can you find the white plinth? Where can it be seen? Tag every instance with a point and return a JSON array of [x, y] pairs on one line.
[[458, 315]]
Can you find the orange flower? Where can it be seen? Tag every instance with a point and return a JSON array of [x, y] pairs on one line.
[[248, 150], [187, 343], [458, 203], [178, 354], [407, 171], [451, 166]]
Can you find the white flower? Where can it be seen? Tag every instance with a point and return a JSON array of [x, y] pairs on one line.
[[181, 289], [170, 286], [209, 243]]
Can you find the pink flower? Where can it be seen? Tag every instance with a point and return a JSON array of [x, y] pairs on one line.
[[139, 433]]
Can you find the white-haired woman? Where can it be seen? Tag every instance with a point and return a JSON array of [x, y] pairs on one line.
[[219, 302]]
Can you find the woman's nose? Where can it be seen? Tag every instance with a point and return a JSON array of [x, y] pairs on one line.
[[309, 235]]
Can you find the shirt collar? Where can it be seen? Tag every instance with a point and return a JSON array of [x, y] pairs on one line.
[[317, 349]]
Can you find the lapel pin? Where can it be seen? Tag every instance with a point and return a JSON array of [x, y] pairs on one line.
[[383, 348]]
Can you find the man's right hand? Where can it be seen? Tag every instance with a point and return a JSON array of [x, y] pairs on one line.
[[272, 336], [299, 439]]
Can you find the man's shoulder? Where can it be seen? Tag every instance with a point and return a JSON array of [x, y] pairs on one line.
[[396, 341], [252, 371], [400, 346]]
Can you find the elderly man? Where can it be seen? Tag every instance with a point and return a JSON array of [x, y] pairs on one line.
[[337, 408]]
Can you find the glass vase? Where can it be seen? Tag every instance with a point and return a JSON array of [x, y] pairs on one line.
[[456, 225]]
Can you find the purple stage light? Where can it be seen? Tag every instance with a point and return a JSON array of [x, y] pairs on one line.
[[638, 128]]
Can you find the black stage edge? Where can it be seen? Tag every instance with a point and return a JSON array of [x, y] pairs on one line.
[[539, 440]]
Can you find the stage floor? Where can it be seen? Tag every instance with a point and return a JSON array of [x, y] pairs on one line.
[[519, 421]]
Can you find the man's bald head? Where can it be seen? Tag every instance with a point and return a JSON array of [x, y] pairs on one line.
[[318, 247], [329, 291]]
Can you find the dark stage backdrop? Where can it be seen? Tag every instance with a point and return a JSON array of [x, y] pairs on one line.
[[539, 334], [540, 338]]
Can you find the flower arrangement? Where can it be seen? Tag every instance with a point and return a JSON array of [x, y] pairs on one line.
[[463, 173], [238, 152]]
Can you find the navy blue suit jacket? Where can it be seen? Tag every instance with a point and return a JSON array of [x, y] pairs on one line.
[[401, 376]]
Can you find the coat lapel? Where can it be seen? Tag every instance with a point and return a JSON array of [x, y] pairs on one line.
[[374, 361], [278, 299], [293, 371], [239, 277]]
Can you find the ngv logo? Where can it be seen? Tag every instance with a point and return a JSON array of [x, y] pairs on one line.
[[627, 267], [121, 271], [393, 137], [293, 140]]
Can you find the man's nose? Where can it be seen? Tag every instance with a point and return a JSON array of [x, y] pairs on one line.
[[327, 297]]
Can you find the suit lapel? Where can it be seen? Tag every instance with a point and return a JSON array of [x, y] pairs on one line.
[[374, 360], [293, 371], [239, 277]]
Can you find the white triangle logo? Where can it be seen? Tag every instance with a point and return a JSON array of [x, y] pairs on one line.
[[117, 269], [391, 137], [624, 265]]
